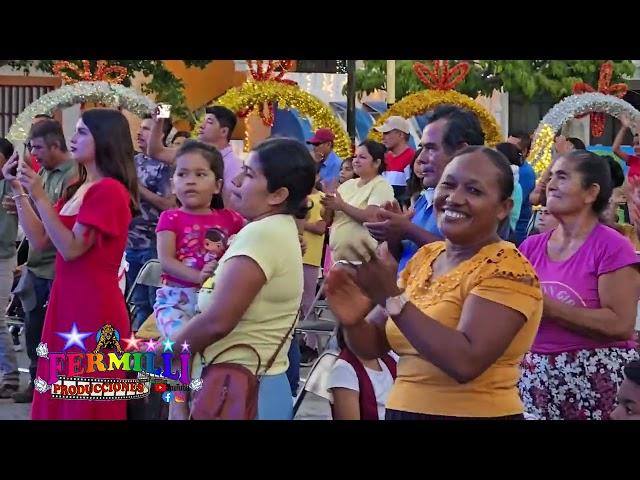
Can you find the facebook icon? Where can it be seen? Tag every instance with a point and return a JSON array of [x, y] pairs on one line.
[[167, 397]]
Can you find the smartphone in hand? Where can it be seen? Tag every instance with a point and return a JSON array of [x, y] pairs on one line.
[[164, 110]]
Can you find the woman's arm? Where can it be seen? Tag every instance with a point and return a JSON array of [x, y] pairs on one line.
[[70, 244], [615, 319], [363, 324], [170, 264], [235, 290], [30, 223], [485, 331], [155, 148], [617, 143], [538, 195], [360, 215]]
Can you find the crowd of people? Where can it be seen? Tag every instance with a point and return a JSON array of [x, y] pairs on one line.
[[462, 288]]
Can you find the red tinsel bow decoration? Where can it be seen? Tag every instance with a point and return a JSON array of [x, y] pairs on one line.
[[103, 72], [272, 70], [441, 77], [604, 86]]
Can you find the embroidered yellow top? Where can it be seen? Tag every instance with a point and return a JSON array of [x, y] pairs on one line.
[[499, 273]]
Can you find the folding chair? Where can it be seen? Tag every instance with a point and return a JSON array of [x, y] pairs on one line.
[[322, 325], [316, 382], [148, 276]]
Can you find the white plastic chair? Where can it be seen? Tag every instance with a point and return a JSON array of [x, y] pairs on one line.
[[317, 379]]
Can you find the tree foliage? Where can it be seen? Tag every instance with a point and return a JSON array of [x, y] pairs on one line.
[[529, 78]]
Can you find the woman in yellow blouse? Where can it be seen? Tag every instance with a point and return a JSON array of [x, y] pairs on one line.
[[357, 201], [470, 308]]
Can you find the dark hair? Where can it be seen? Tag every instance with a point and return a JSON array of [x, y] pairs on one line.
[[617, 174], [181, 133], [577, 143], [377, 151], [225, 117], [594, 170], [340, 340], [43, 115], [513, 153], [414, 184], [51, 132], [166, 127], [287, 163], [6, 148], [525, 141], [215, 235], [505, 177], [113, 151], [463, 126], [213, 156], [632, 371]]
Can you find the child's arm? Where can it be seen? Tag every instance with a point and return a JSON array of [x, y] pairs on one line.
[[319, 227], [346, 404], [170, 264]]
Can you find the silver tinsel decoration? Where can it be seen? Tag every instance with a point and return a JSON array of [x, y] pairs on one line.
[[117, 96], [576, 105]]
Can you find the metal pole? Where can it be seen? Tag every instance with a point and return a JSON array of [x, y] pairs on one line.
[[391, 82], [351, 100]]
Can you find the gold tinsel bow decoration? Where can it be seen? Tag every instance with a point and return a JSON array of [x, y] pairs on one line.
[[272, 70], [104, 72], [440, 77], [604, 86]]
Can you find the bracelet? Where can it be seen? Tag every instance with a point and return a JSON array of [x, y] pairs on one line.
[[15, 197]]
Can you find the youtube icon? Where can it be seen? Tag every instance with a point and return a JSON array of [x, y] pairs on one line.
[[160, 387]]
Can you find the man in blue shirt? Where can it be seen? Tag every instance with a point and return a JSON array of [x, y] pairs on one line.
[[323, 153], [527, 179], [450, 129]]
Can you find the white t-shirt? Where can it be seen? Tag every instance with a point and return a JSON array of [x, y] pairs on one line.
[[343, 375]]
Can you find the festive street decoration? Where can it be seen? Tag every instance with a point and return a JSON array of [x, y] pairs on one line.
[[440, 81], [113, 95], [572, 107], [252, 93], [104, 72], [604, 86]]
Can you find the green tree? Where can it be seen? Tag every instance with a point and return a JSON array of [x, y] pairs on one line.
[[163, 83], [530, 78]]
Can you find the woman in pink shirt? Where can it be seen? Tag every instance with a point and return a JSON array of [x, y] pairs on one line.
[[591, 288]]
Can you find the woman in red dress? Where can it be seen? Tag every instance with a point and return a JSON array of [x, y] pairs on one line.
[[88, 227]]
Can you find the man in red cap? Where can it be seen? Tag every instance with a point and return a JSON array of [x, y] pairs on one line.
[[322, 142]]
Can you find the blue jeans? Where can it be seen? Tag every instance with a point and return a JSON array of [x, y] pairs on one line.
[[293, 372], [274, 399], [34, 320], [8, 361], [143, 297]]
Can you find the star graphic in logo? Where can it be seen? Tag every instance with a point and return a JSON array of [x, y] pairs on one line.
[[151, 345], [168, 345], [185, 346], [132, 343], [74, 337]]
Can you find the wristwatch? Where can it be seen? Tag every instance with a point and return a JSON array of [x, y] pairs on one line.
[[394, 305]]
